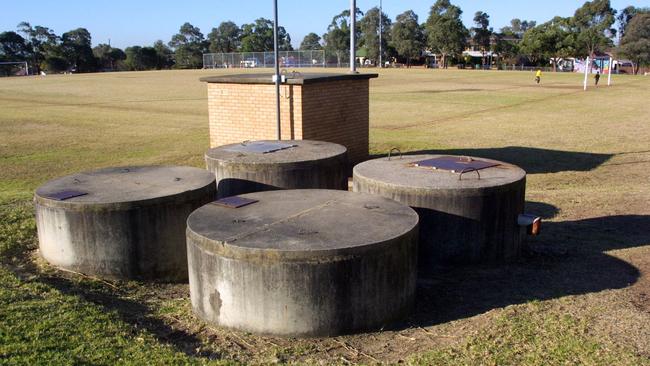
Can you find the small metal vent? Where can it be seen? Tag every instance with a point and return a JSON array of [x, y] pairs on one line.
[[65, 195], [234, 202], [260, 147], [455, 164]]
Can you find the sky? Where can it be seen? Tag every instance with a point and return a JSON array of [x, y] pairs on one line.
[[142, 22]]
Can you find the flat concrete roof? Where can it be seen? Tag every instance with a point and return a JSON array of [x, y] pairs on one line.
[[305, 223], [292, 78]]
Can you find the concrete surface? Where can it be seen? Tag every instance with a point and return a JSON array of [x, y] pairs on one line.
[[130, 225], [303, 263], [461, 221], [311, 164]]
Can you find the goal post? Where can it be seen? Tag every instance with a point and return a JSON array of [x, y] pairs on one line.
[[14, 68]]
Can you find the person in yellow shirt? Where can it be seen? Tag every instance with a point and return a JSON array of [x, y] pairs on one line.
[[538, 76]]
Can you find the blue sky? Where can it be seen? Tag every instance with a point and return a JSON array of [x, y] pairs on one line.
[[143, 22]]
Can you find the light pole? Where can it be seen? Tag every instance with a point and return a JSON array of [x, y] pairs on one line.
[[380, 31], [353, 41], [277, 66]]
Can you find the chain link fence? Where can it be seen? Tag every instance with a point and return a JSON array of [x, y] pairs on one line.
[[315, 58]]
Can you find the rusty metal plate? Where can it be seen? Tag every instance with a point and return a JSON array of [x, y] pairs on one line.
[[260, 147], [455, 164], [234, 202], [64, 195]]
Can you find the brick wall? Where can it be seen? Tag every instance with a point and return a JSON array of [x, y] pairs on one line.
[[333, 111]]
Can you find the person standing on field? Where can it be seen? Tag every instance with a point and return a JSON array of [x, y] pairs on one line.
[[597, 77], [538, 76]]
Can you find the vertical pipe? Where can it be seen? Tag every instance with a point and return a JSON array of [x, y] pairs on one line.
[[380, 30], [609, 73], [587, 63], [277, 66], [353, 41]]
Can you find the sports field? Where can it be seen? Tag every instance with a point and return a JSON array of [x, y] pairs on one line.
[[580, 296]]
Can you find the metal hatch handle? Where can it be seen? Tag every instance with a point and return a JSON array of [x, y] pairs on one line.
[[394, 149], [468, 170]]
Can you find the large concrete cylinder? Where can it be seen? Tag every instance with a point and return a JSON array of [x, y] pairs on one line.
[[303, 262], [270, 165], [464, 218], [122, 223]]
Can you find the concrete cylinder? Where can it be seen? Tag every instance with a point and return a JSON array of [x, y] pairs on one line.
[[246, 168], [121, 223], [463, 218], [303, 263]]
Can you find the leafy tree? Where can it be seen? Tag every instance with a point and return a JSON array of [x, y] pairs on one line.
[[54, 64], [593, 25], [225, 38], [76, 47], [481, 32], [626, 15], [445, 33], [369, 26], [13, 47], [406, 36], [635, 44], [337, 38], [311, 42], [518, 27], [107, 56], [507, 49], [141, 58], [42, 43], [164, 55], [258, 37], [552, 40], [188, 45]]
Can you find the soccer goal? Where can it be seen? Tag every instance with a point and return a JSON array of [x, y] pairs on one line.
[[14, 68]]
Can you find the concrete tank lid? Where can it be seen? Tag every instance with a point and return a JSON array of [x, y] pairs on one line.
[[400, 172], [124, 186], [305, 150], [300, 224], [292, 78]]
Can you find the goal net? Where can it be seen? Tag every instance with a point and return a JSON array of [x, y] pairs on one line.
[[14, 68]]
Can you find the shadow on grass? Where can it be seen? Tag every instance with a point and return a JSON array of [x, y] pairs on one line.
[[566, 259], [532, 160]]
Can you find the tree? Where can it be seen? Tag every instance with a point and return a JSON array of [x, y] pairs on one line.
[[481, 33], [258, 37], [635, 44], [164, 55], [188, 45], [226, 38], [13, 47], [626, 15], [141, 58], [446, 34], [552, 40], [311, 42], [76, 47], [42, 43], [107, 56], [337, 38], [593, 25], [406, 36], [369, 26], [518, 27]]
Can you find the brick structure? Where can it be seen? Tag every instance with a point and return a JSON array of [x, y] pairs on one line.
[[324, 107]]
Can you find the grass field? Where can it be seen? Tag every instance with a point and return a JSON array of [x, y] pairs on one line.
[[580, 296]]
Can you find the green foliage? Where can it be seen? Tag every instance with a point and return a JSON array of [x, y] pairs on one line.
[[481, 33], [141, 58], [17, 229], [406, 36], [13, 47], [189, 46], [551, 40], [518, 27], [107, 56], [311, 42], [369, 26], [635, 44], [337, 38], [593, 25], [76, 47], [258, 37], [225, 38], [445, 31]]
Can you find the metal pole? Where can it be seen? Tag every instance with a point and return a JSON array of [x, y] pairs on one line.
[[380, 30], [277, 66], [587, 63], [353, 41], [609, 73]]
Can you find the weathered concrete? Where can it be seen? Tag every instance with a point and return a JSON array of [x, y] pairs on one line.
[[461, 221], [130, 225], [311, 164], [303, 262]]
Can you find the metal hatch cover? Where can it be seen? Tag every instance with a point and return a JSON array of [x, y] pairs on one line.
[[234, 202], [455, 164], [260, 147], [65, 194]]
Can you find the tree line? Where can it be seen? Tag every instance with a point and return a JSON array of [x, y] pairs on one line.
[[591, 30]]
